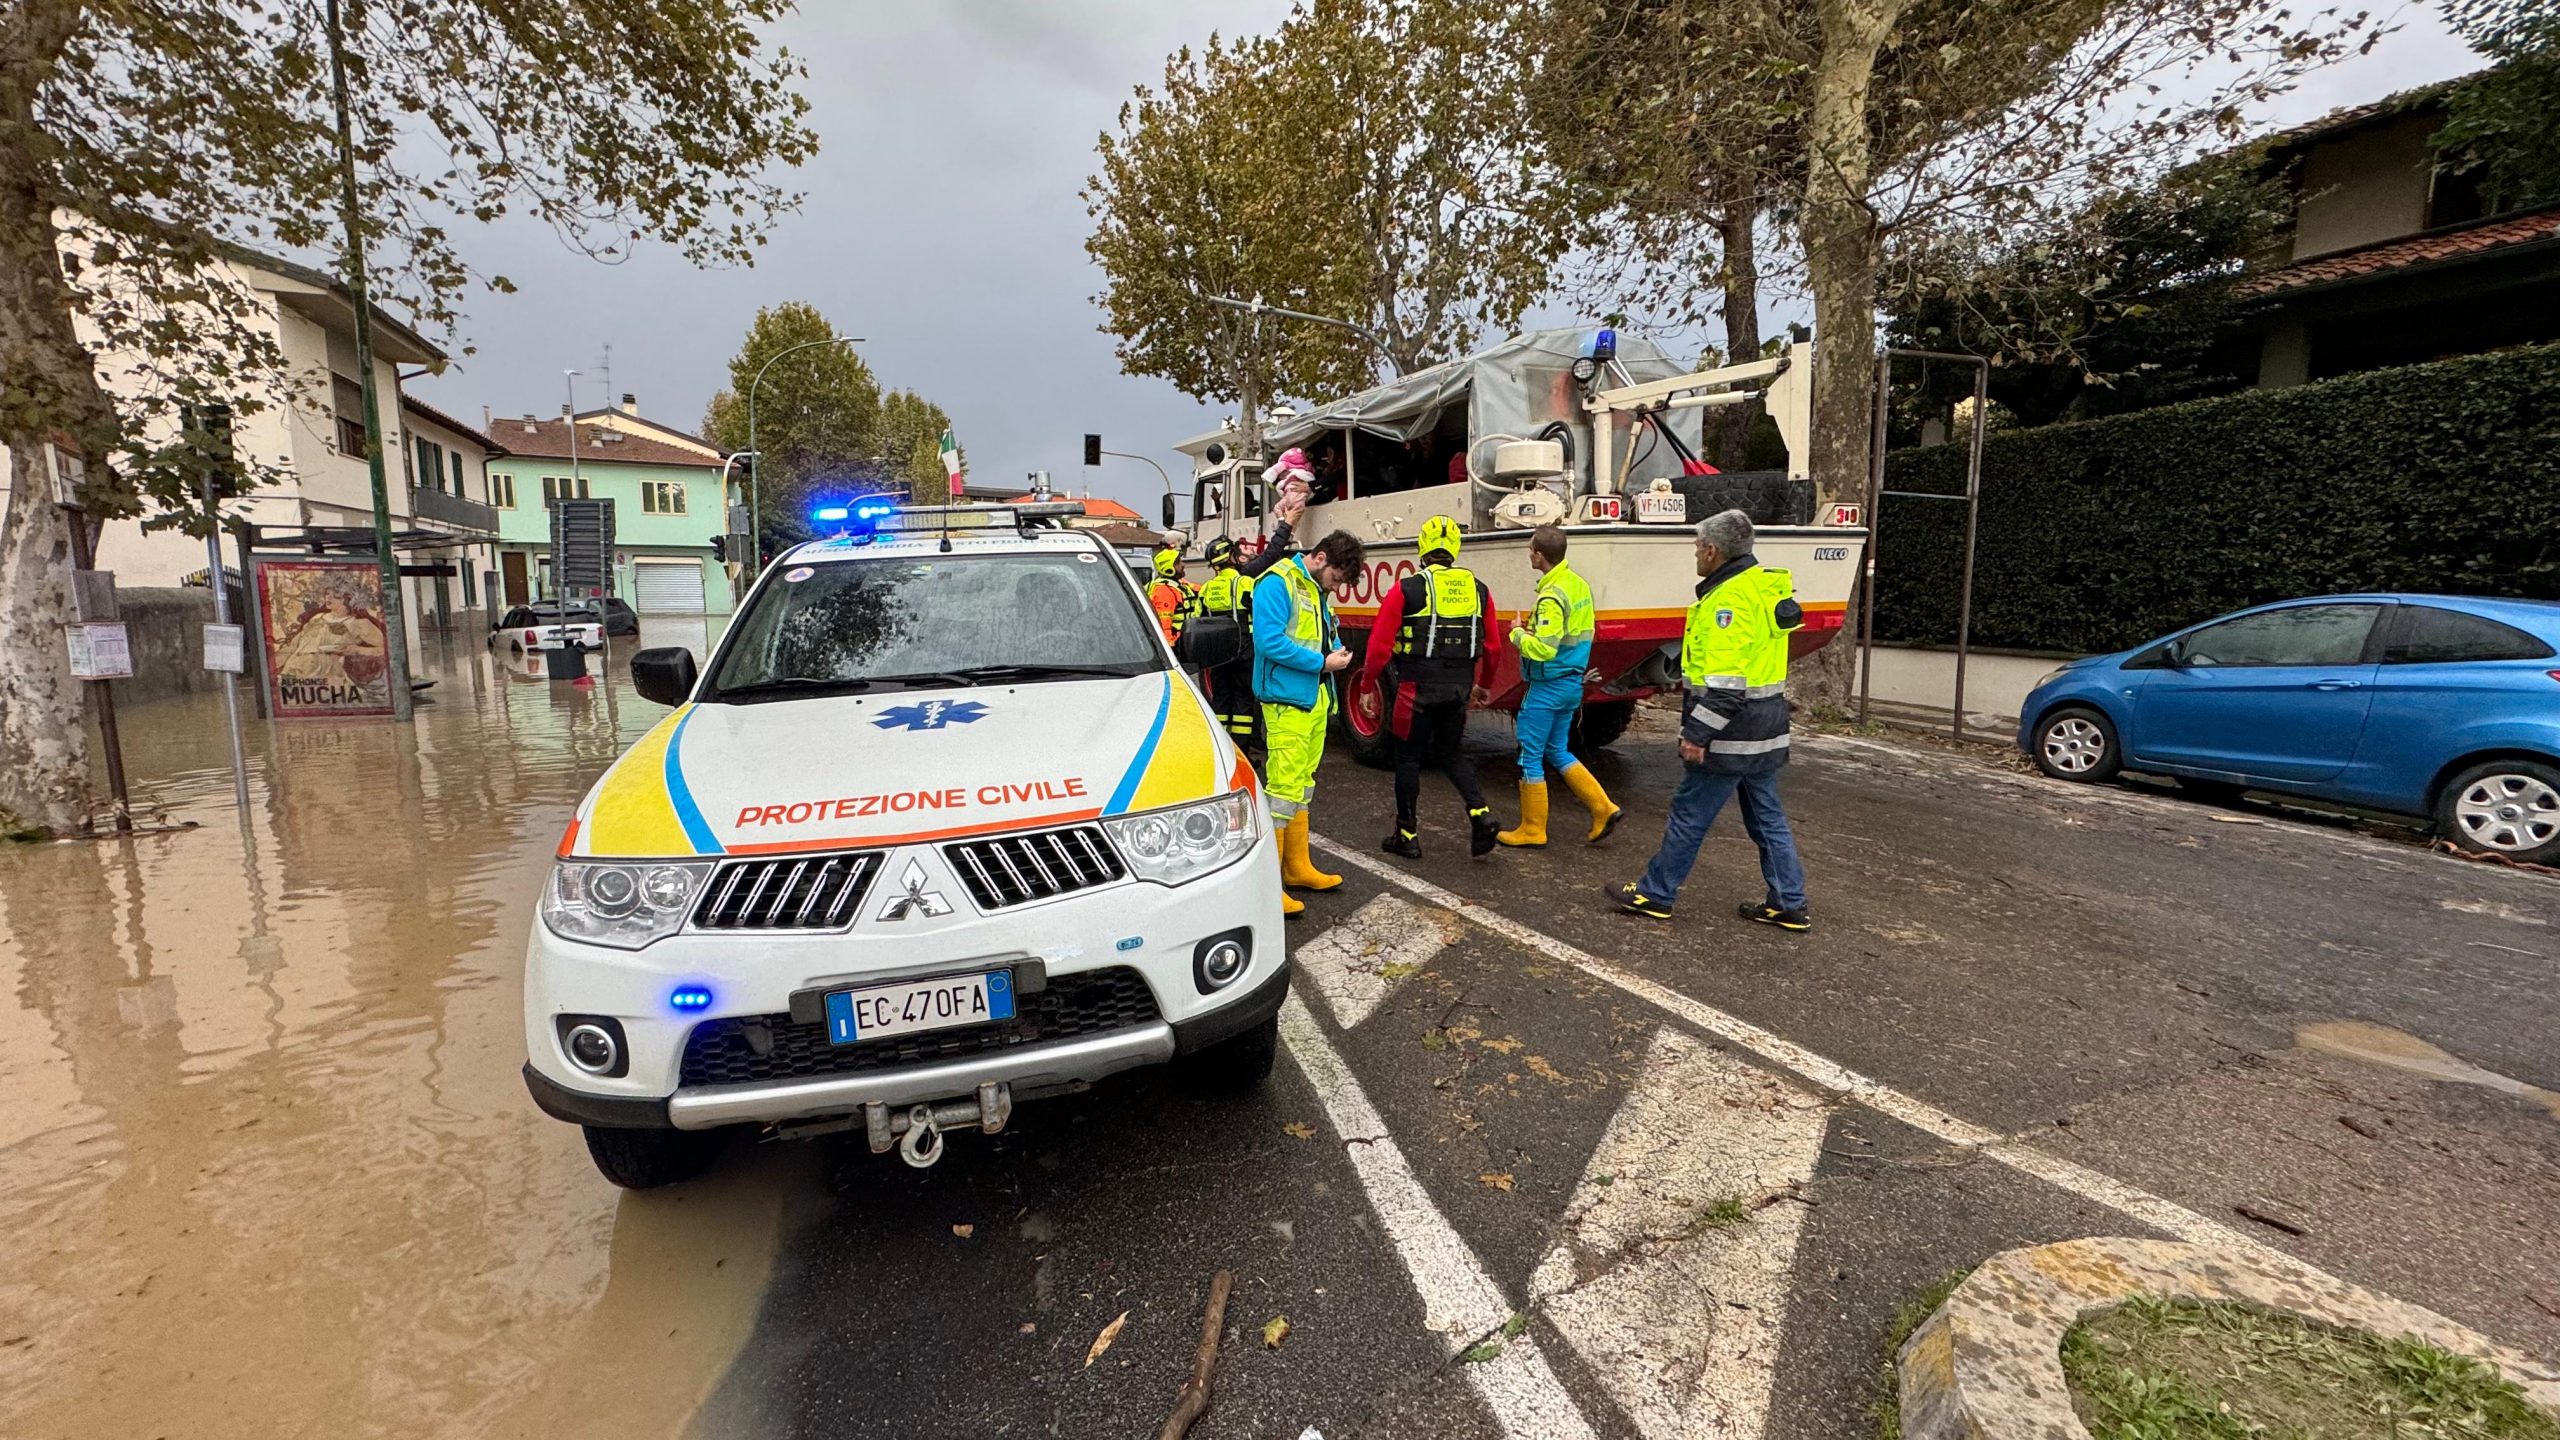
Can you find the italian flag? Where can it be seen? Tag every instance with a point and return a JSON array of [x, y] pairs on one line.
[[951, 462]]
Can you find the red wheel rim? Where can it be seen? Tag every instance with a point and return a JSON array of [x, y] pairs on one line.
[[1363, 708]]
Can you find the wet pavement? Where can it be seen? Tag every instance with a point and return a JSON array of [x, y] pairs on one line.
[[268, 1169]]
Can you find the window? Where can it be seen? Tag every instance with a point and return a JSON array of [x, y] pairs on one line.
[[346, 397], [661, 497], [457, 472], [563, 487], [502, 490], [2295, 635], [470, 568], [430, 471], [2433, 635]]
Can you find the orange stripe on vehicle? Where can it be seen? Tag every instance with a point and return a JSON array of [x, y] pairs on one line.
[[569, 837], [858, 842]]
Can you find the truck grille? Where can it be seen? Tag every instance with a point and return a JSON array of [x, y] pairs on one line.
[[777, 1047], [1011, 870], [808, 892]]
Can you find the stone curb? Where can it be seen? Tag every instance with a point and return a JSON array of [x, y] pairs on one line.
[[1988, 1364]]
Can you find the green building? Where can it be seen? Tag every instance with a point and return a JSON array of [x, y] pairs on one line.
[[665, 488]]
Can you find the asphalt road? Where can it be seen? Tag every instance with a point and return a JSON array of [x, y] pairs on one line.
[[1526, 1159]]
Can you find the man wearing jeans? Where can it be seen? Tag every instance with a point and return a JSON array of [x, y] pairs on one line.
[[1733, 727]]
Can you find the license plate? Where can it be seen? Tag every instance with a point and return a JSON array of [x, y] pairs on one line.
[[879, 1011], [1671, 509]]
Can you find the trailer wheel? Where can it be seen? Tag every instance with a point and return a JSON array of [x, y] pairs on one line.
[[1599, 724], [1360, 709]]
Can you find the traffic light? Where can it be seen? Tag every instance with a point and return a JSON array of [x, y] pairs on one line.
[[1093, 449], [720, 547]]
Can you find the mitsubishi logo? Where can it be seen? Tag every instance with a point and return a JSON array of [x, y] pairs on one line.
[[917, 900]]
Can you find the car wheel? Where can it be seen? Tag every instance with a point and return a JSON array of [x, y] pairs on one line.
[[2078, 743], [647, 1159], [1239, 1064], [2508, 808], [1361, 709]]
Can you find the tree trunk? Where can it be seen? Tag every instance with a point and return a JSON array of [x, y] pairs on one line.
[[1841, 259], [1735, 226]]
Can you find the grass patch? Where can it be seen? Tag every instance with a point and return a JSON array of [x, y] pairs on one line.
[[1912, 1314], [2152, 1369], [1480, 1352]]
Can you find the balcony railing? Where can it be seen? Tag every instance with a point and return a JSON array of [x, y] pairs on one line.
[[453, 510]]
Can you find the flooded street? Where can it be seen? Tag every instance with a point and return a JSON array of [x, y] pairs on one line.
[[268, 1168], [265, 1162]]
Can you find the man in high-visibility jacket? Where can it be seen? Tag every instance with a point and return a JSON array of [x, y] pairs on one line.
[[1228, 594], [1555, 648], [1733, 727], [1439, 632], [1295, 649], [1168, 595]]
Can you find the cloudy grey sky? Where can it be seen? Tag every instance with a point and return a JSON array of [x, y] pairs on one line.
[[942, 224]]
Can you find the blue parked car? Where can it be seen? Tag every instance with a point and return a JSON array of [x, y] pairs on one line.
[[2438, 705]]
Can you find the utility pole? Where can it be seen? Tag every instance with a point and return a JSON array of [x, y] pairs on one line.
[[395, 624], [568, 417]]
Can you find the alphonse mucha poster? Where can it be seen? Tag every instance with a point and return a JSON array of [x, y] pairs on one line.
[[327, 649]]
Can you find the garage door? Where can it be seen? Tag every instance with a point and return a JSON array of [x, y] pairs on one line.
[[667, 587]]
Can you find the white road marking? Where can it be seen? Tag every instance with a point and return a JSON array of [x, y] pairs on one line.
[[1677, 1307], [1459, 1299], [1357, 962], [1840, 1080]]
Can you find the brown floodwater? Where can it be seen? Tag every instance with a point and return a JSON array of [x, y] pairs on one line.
[[266, 1164]]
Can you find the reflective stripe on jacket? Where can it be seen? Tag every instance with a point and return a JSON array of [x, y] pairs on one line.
[[1557, 644], [1292, 633], [1734, 656]]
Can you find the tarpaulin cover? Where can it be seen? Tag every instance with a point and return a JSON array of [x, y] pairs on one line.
[[1514, 388]]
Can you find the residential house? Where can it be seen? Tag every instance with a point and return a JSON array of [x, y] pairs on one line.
[[1099, 513], [2391, 257], [312, 432], [447, 472], [667, 507]]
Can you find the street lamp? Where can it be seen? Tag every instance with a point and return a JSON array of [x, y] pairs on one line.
[[755, 477]]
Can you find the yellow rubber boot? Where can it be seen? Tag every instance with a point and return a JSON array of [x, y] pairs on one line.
[[1532, 830], [1296, 869], [1280, 848], [1585, 786], [1291, 904]]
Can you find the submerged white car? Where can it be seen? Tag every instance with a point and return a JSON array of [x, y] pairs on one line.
[[941, 828]]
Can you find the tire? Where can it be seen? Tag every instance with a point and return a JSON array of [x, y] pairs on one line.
[[647, 1159], [2078, 744], [1599, 724], [2506, 808], [1360, 712], [1239, 1064]]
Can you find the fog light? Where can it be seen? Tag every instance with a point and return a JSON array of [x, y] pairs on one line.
[[592, 1048], [1224, 962]]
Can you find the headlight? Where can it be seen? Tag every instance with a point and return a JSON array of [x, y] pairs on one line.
[[624, 904], [1187, 841], [2049, 677]]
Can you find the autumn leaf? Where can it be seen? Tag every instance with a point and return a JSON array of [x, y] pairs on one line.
[[1274, 1331], [1103, 1341], [1299, 1130], [1501, 1181]]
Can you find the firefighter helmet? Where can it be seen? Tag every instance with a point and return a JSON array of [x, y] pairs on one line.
[[1440, 533], [1168, 563], [1220, 551]]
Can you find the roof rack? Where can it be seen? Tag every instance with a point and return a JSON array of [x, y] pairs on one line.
[[1037, 515]]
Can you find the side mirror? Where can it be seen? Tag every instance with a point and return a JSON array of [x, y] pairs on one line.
[[665, 675], [1169, 516], [1209, 641]]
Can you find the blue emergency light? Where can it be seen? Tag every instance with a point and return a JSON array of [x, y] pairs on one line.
[[829, 514], [690, 997]]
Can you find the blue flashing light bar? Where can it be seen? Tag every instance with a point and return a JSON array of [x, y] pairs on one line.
[[690, 998]]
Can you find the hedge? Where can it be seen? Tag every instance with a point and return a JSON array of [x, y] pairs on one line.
[[2442, 477]]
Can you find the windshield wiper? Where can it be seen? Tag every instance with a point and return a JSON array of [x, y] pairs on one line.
[[788, 683], [980, 674]]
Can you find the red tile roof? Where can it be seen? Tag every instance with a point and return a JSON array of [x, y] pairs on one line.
[[549, 440], [1094, 506], [2436, 246]]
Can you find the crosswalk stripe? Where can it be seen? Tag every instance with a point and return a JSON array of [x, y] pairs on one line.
[[1669, 1275], [1826, 1074], [1356, 963], [1460, 1301]]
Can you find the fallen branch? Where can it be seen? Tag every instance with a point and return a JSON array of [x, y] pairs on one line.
[[1194, 1400]]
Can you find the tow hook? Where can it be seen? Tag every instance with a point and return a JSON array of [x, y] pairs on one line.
[[917, 1130]]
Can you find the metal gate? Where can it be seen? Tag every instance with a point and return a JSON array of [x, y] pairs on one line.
[[667, 587]]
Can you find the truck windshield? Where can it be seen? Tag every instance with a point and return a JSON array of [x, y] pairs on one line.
[[932, 621]]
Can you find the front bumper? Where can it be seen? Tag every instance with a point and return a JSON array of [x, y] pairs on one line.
[[1150, 929]]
